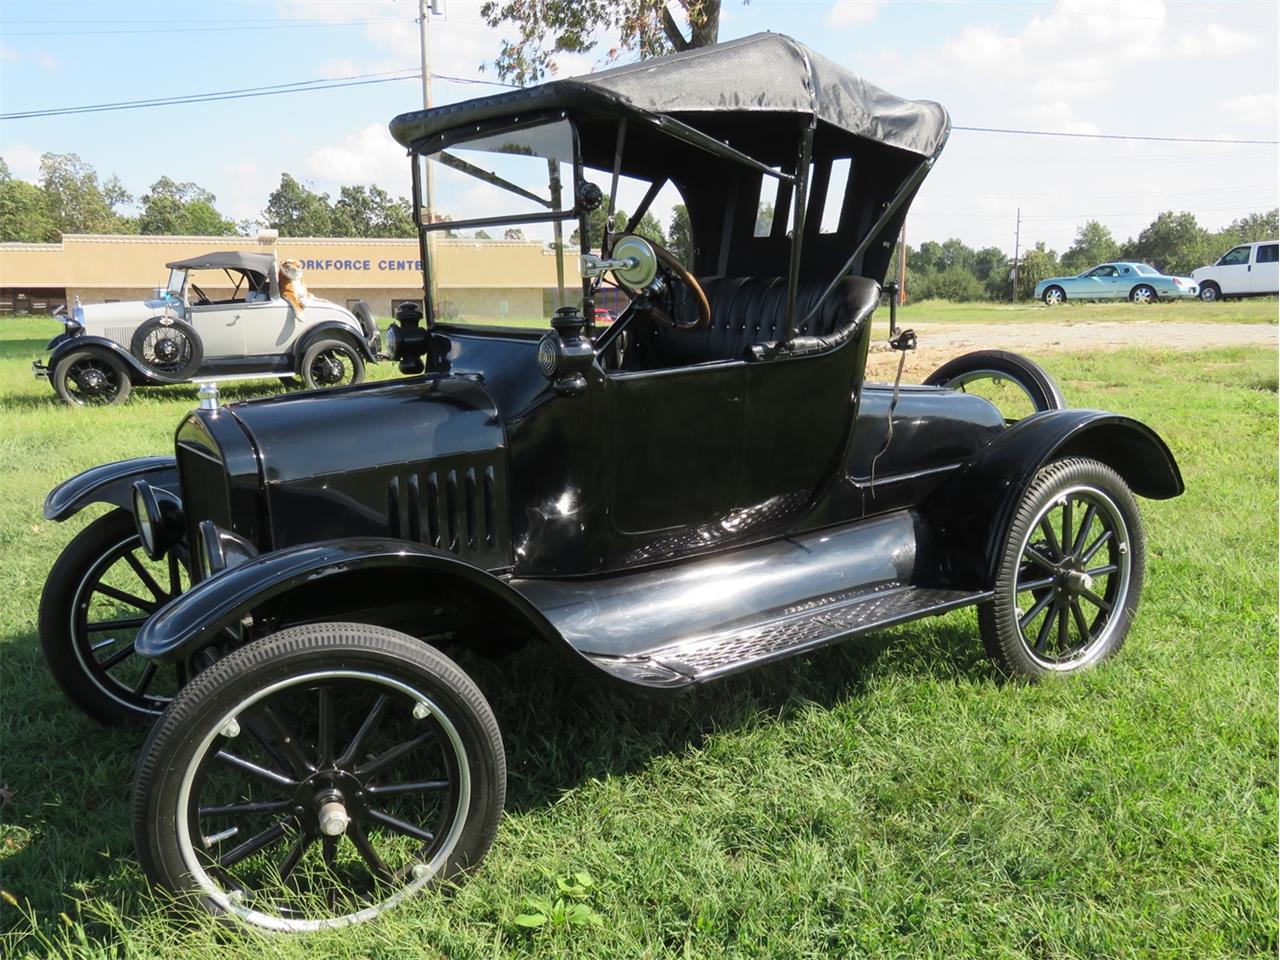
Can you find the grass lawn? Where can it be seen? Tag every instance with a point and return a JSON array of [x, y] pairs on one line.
[[887, 797], [1254, 310]]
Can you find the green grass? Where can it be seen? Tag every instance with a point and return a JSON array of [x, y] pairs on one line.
[[887, 797], [1253, 310]]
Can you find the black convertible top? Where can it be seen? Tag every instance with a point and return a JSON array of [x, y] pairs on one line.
[[766, 72], [263, 263]]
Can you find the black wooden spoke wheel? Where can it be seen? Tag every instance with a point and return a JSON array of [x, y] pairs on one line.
[[100, 591], [1015, 385], [331, 363], [168, 347], [1071, 573], [91, 378], [318, 777]]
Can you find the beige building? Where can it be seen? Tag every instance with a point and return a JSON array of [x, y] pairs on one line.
[[482, 279]]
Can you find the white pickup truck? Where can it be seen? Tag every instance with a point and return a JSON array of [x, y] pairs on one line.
[[1244, 271]]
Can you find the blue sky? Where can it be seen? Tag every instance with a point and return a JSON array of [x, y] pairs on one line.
[[1155, 67]]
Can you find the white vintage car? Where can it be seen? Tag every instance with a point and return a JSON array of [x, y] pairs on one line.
[[185, 335]]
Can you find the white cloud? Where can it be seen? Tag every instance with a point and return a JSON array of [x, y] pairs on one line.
[[367, 156], [1259, 108], [9, 55], [846, 13], [23, 161], [47, 62], [1215, 40]]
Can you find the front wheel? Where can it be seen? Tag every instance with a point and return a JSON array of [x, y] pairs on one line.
[[91, 378], [1210, 292], [331, 363], [1142, 294], [1015, 385], [1070, 574], [1054, 296], [318, 777]]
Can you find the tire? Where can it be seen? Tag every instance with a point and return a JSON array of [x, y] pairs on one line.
[[1142, 293], [1041, 390], [271, 689], [92, 378], [1066, 590], [1053, 296], [360, 310], [127, 691], [168, 348], [320, 362], [1210, 292]]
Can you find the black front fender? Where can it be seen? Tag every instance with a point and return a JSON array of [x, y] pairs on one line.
[[139, 371], [110, 483], [972, 511], [197, 618]]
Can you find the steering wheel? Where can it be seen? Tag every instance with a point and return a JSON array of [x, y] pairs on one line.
[[204, 297], [671, 267]]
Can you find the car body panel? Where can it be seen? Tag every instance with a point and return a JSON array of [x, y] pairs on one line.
[[109, 483], [1246, 269], [1116, 281]]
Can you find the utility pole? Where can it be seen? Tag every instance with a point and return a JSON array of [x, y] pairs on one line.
[[902, 264], [1017, 240], [425, 9]]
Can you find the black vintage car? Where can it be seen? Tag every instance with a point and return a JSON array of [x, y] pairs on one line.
[[704, 486]]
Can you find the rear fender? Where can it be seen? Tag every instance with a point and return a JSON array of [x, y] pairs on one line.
[[973, 511], [333, 328], [337, 580], [110, 483], [138, 371]]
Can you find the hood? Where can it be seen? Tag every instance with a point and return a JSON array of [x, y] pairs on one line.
[[128, 310]]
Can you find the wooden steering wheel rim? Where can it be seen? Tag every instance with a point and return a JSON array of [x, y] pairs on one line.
[[669, 261]]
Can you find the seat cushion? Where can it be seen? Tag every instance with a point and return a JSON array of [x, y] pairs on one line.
[[751, 310]]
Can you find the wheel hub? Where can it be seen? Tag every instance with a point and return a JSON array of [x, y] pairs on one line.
[[92, 381], [326, 802], [166, 350]]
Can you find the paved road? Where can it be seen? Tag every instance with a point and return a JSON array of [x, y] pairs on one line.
[[941, 341]]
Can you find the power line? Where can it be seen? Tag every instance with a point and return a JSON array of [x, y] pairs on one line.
[[1107, 136], [205, 29]]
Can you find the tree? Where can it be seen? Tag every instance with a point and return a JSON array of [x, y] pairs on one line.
[[482, 235], [1173, 243], [25, 216], [1252, 228], [1037, 264], [77, 201], [513, 233], [680, 235], [371, 212], [547, 28], [297, 211], [1093, 245], [173, 208]]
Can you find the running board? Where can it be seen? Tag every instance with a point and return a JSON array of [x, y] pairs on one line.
[[702, 657]]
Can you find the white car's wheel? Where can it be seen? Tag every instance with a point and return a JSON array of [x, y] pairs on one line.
[[1209, 292]]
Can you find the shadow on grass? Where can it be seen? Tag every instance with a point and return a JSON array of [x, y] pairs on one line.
[[71, 779], [42, 396]]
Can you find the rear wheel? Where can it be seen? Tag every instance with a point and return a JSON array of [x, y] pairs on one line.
[[1015, 385], [1142, 293], [318, 777], [92, 378], [1070, 575], [100, 591], [331, 363]]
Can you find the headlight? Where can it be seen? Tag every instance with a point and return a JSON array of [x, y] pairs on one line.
[[392, 342], [221, 549], [158, 515]]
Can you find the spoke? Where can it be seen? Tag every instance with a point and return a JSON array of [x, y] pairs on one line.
[[1045, 627], [293, 753], [149, 606], [293, 856], [1064, 628], [1047, 529], [248, 807], [1039, 559], [1082, 623], [148, 674], [324, 738], [388, 757], [124, 623], [1103, 538], [1085, 524], [248, 766], [1102, 571], [252, 845], [144, 575], [399, 826], [1025, 620], [400, 789], [1096, 600], [1035, 584], [376, 864], [366, 728], [116, 658], [175, 574], [1066, 525], [330, 850]]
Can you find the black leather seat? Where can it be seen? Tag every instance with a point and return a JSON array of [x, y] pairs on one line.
[[751, 310]]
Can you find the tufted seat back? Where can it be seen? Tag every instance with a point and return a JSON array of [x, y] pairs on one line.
[[751, 310]]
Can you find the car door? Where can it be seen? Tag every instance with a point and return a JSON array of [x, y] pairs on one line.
[[220, 328], [1232, 271], [268, 325], [1265, 275]]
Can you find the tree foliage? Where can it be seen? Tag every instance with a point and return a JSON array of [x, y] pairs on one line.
[[547, 28], [1093, 245], [680, 235], [1174, 243], [172, 208], [77, 200], [25, 213]]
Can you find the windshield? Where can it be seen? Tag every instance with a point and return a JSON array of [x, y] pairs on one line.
[[498, 212], [176, 279]]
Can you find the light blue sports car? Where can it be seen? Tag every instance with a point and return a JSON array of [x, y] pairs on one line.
[[1137, 282]]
